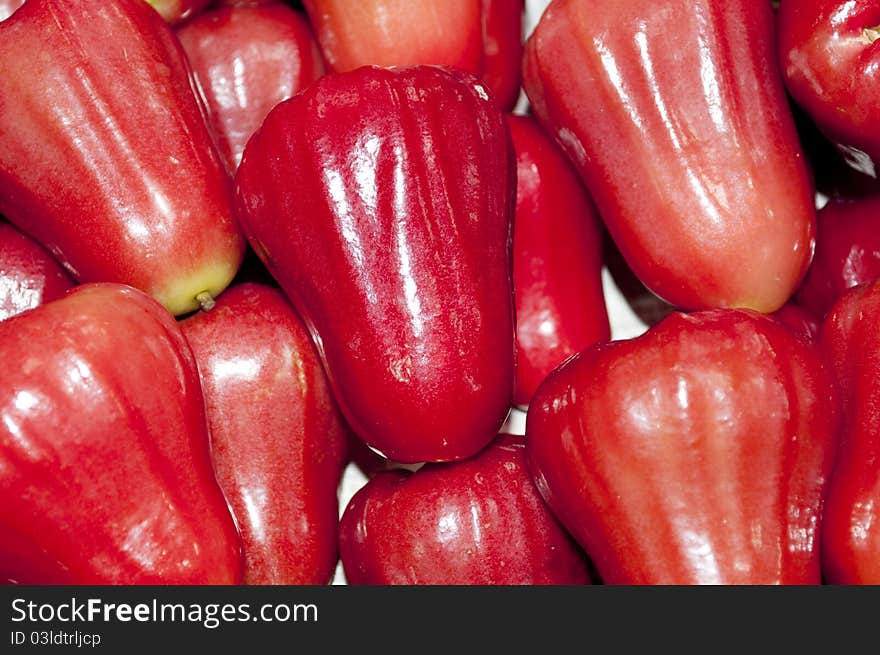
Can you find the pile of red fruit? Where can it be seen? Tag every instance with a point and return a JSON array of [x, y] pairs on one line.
[[250, 245]]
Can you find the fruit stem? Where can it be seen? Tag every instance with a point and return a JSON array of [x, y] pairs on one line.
[[206, 300], [871, 34]]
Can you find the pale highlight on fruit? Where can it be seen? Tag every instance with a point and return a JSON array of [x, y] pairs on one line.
[[186, 294]]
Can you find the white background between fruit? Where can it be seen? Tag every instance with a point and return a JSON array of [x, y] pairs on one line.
[[625, 324]]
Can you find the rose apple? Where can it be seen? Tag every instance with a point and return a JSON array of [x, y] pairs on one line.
[[483, 37], [105, 157], [247, 59], [851, 523], [394, 245], [676, 117], [369, 462], [501, 64], [105, 471], [557, 260], [397, 32], [476, 522], [831, 63], [697, 453], [277, 439]]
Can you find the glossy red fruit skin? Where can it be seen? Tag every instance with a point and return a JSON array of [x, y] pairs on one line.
[[683, 135], [29, 276], [557, 260], [851, 523], [105, 468], [278, 441], [830, 60], [394, 245], [8, 7], [501, 64], [801, 321], [105, 158], [397, 33], [847, 252], [483, 37], [697, 453], [176, 12], [476, 522], [247, 59]]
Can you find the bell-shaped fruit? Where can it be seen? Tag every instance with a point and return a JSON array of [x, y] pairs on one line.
[[697, 453], [278, 441], [105, 158], [557, 260], [247, 59], [397, 32], [382, 202], [831, 63], [676, 117], [501, 64], [105, 470], [851, 523], [483, 37], [476, 522]]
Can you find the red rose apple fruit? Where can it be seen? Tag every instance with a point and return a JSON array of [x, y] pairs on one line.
[[483, 37], [557, 260], [697, 453], [247, 59], [831, 62], [476, 522], [106, 159], [676, 117], [851, 523], [105, 470], [382, 202], [277, 439]]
